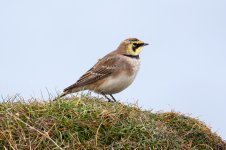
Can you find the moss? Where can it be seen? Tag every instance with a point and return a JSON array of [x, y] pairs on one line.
[[91, 123]]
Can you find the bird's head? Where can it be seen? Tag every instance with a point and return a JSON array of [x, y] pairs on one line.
[[131, 46]]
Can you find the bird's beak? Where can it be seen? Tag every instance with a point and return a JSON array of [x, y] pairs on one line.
[[145, 44]]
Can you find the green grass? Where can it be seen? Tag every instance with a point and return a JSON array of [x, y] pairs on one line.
[[91, 123]]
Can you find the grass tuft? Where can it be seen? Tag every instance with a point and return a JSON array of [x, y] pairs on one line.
[[91, 123]]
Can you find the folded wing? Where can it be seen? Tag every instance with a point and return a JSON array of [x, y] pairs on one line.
[[102, 69]]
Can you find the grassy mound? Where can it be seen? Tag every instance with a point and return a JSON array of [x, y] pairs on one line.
[[91, 123]]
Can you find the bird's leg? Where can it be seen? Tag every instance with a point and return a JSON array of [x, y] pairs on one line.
[[112, 97], [109, 100]]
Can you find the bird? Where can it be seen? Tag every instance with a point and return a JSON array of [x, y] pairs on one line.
[[113, 73]]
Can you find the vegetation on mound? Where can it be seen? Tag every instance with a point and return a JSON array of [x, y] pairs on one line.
[[91, 123]]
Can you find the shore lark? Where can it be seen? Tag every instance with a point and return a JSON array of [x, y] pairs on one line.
[[113, 73]]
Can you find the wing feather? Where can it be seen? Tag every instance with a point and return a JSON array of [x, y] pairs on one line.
[[102, 69]]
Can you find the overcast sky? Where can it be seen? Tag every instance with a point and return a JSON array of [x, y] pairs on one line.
[[49, 44]]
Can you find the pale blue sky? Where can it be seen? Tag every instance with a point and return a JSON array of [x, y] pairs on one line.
[[49, 44]]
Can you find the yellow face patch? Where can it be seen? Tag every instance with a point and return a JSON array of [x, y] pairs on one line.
[[134, 48]]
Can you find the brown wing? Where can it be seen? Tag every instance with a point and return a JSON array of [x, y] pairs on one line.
[[102, 69]]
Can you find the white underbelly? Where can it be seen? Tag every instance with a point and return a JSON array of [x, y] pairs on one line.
[[116, 84]]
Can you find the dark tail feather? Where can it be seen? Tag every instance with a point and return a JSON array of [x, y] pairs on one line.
[[61, 95], [71, 89]]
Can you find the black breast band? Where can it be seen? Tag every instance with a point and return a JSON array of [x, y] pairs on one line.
[[132, 56]]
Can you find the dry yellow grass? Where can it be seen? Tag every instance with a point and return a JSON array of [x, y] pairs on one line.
[[91, 123]]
